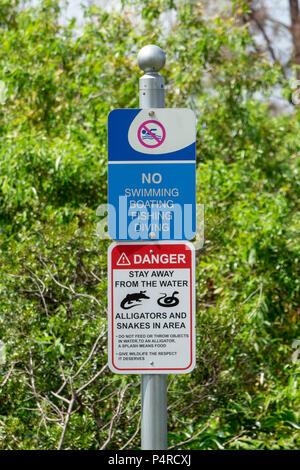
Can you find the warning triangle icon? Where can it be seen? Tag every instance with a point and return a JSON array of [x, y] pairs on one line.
[[123, 260]]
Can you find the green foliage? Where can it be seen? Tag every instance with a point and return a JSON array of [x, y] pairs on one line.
[[57, 85]]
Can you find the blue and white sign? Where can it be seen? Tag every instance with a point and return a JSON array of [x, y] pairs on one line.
[[151, 174]]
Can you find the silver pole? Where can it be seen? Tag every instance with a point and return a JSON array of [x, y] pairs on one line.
[[154, 386]]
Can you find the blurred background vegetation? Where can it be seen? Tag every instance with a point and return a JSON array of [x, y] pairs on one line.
[[58, 82]]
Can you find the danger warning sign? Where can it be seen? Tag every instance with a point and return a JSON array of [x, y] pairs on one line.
[[151, 314]]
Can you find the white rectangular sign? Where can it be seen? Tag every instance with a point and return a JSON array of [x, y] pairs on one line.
[[151, 307]]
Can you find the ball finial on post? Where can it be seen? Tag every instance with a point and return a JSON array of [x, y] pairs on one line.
[[151, 58]]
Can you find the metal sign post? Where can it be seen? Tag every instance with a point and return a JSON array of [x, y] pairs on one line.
[[151, 59]]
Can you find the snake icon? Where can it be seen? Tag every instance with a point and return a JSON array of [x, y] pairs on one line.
[[170, 301]]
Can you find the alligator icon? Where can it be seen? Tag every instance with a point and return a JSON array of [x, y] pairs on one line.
[[133, 299], [170, 301]]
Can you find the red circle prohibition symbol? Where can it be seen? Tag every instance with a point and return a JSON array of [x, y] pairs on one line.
[[151, 134]]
